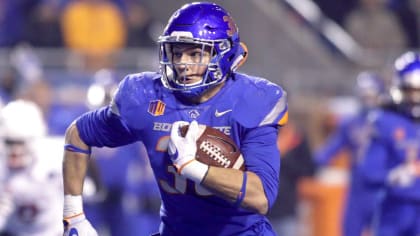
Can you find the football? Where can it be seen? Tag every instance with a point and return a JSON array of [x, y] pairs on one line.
[[216, 148]]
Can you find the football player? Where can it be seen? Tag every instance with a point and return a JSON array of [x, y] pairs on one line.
[[393, 156], [200, 50], [353, 134], [31, 191]]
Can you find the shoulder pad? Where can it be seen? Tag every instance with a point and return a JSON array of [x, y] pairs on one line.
[[262, 103], [134, 91]]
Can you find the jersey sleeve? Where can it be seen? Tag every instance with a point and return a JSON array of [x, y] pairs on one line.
[[335, 142], [103, 128], [259, 148], [260, 110], [262, 103], [131, 98]]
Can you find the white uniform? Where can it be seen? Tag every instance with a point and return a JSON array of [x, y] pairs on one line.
[[31, 200]]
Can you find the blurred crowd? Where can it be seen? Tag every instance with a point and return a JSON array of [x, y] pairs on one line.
[[377, 23], [96, 29], [80, 24], [92, 25], [121, 187]]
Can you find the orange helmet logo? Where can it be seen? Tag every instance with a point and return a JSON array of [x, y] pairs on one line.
[[231, 24]]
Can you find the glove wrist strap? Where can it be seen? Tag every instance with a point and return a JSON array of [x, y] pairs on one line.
[[73, 205], [194, 170]]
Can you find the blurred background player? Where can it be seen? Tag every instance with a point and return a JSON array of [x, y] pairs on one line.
[[392, 159], [128, 193], [353, 134], [31, 191]]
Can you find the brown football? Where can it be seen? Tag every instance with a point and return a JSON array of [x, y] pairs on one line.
[[216, 148]]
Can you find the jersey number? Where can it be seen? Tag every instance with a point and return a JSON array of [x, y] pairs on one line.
[[180, 184]]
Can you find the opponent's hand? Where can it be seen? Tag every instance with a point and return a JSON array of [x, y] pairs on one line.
[[182, 151], [78, 225], [403, 175]]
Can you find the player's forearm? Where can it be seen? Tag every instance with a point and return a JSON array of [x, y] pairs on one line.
[[74, 171], [227, 183], [75, 164]]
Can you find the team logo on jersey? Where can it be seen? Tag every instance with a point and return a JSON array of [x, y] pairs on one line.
[[193, 114], [399, 134], [156, 108], [218, 113]]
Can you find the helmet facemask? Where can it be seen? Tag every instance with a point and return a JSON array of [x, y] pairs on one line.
[[408, 98], [212, 54], [19, 154], [19, 134], [210, 27]]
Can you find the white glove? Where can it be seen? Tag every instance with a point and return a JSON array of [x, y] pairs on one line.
[[182, 151], [78, 225], [402, 175]]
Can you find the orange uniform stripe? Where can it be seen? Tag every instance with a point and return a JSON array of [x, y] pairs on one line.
[[284, 119]]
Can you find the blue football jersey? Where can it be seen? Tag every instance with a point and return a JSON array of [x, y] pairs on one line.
[[248, 109], [353, 134], [396, 141]]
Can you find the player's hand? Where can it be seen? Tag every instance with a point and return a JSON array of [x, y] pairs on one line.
[[403, 175], [182, 150], [78, 225]]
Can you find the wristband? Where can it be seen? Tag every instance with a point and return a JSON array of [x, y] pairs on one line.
[[72, 148], [194, 170], [242, 192], [73, 205]]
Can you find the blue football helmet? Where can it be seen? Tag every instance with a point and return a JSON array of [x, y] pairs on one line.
[[406, 83], [22, 126], [369, 89], [205, 25]]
